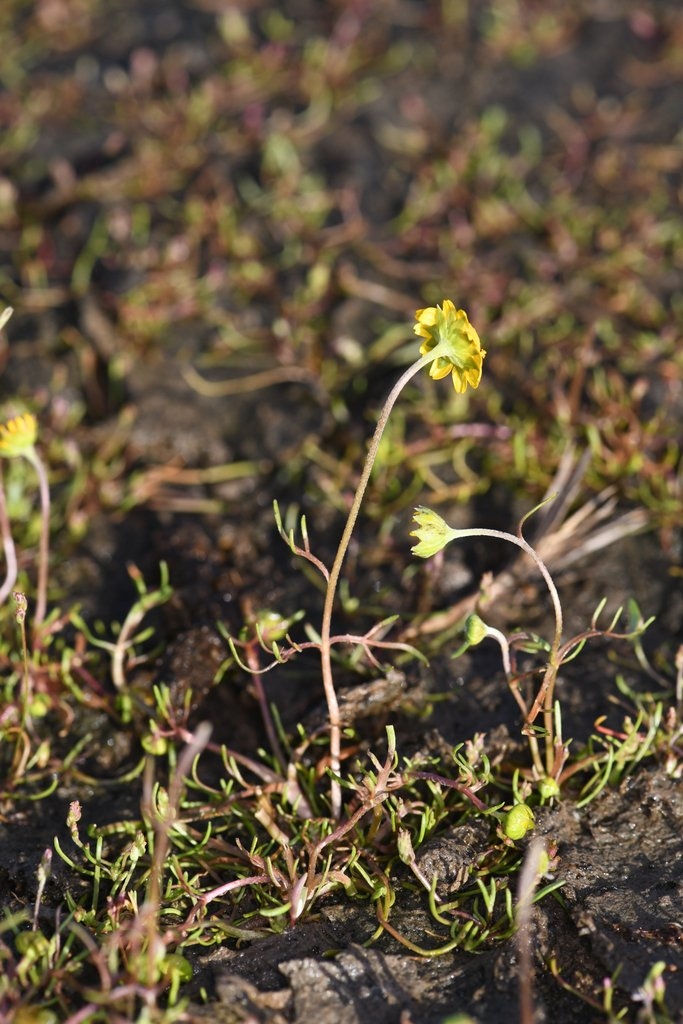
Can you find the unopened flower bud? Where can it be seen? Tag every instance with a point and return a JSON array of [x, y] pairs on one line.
[[475, 630]]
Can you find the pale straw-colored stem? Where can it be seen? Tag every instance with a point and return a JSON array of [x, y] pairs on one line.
[[521, 543], [544, 698], [11, 568], [44, 545], [326, 627]]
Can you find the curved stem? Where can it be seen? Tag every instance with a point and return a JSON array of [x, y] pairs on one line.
[[525, 546], [8, 546], [44, 547], [544, 697], [325, 631]]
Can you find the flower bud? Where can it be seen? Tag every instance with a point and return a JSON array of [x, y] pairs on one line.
[[271, 626], [518, 820], [475, 630], [548, 788]]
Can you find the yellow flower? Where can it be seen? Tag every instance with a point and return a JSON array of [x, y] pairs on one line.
[[448, 330], [18, 436], [433, 533]]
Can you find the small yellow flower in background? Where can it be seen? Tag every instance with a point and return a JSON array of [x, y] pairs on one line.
[[433, 533], [460, 352], [18, 436]]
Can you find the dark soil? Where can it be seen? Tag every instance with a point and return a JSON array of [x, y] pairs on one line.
[[96, 348]]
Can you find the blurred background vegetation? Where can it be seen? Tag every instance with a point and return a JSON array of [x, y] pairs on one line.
[[236, 189]]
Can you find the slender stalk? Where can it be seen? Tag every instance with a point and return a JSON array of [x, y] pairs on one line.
[[528, 882], [44, 547], [269, 725], [332, 583], [8, 546], [521, 543], [544, 697], [162, 822], [22, 605]]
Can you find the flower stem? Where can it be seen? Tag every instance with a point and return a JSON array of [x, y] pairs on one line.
[[269, 725], [325, 631], [44, 545], [9, 549], [544, 697], [525, 546]]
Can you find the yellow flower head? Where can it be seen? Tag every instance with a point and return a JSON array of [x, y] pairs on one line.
[[18, 436], [433, 533], [460, 353]]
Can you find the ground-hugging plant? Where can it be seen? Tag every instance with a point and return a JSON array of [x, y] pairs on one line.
[[450, 346], [252, 850]]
